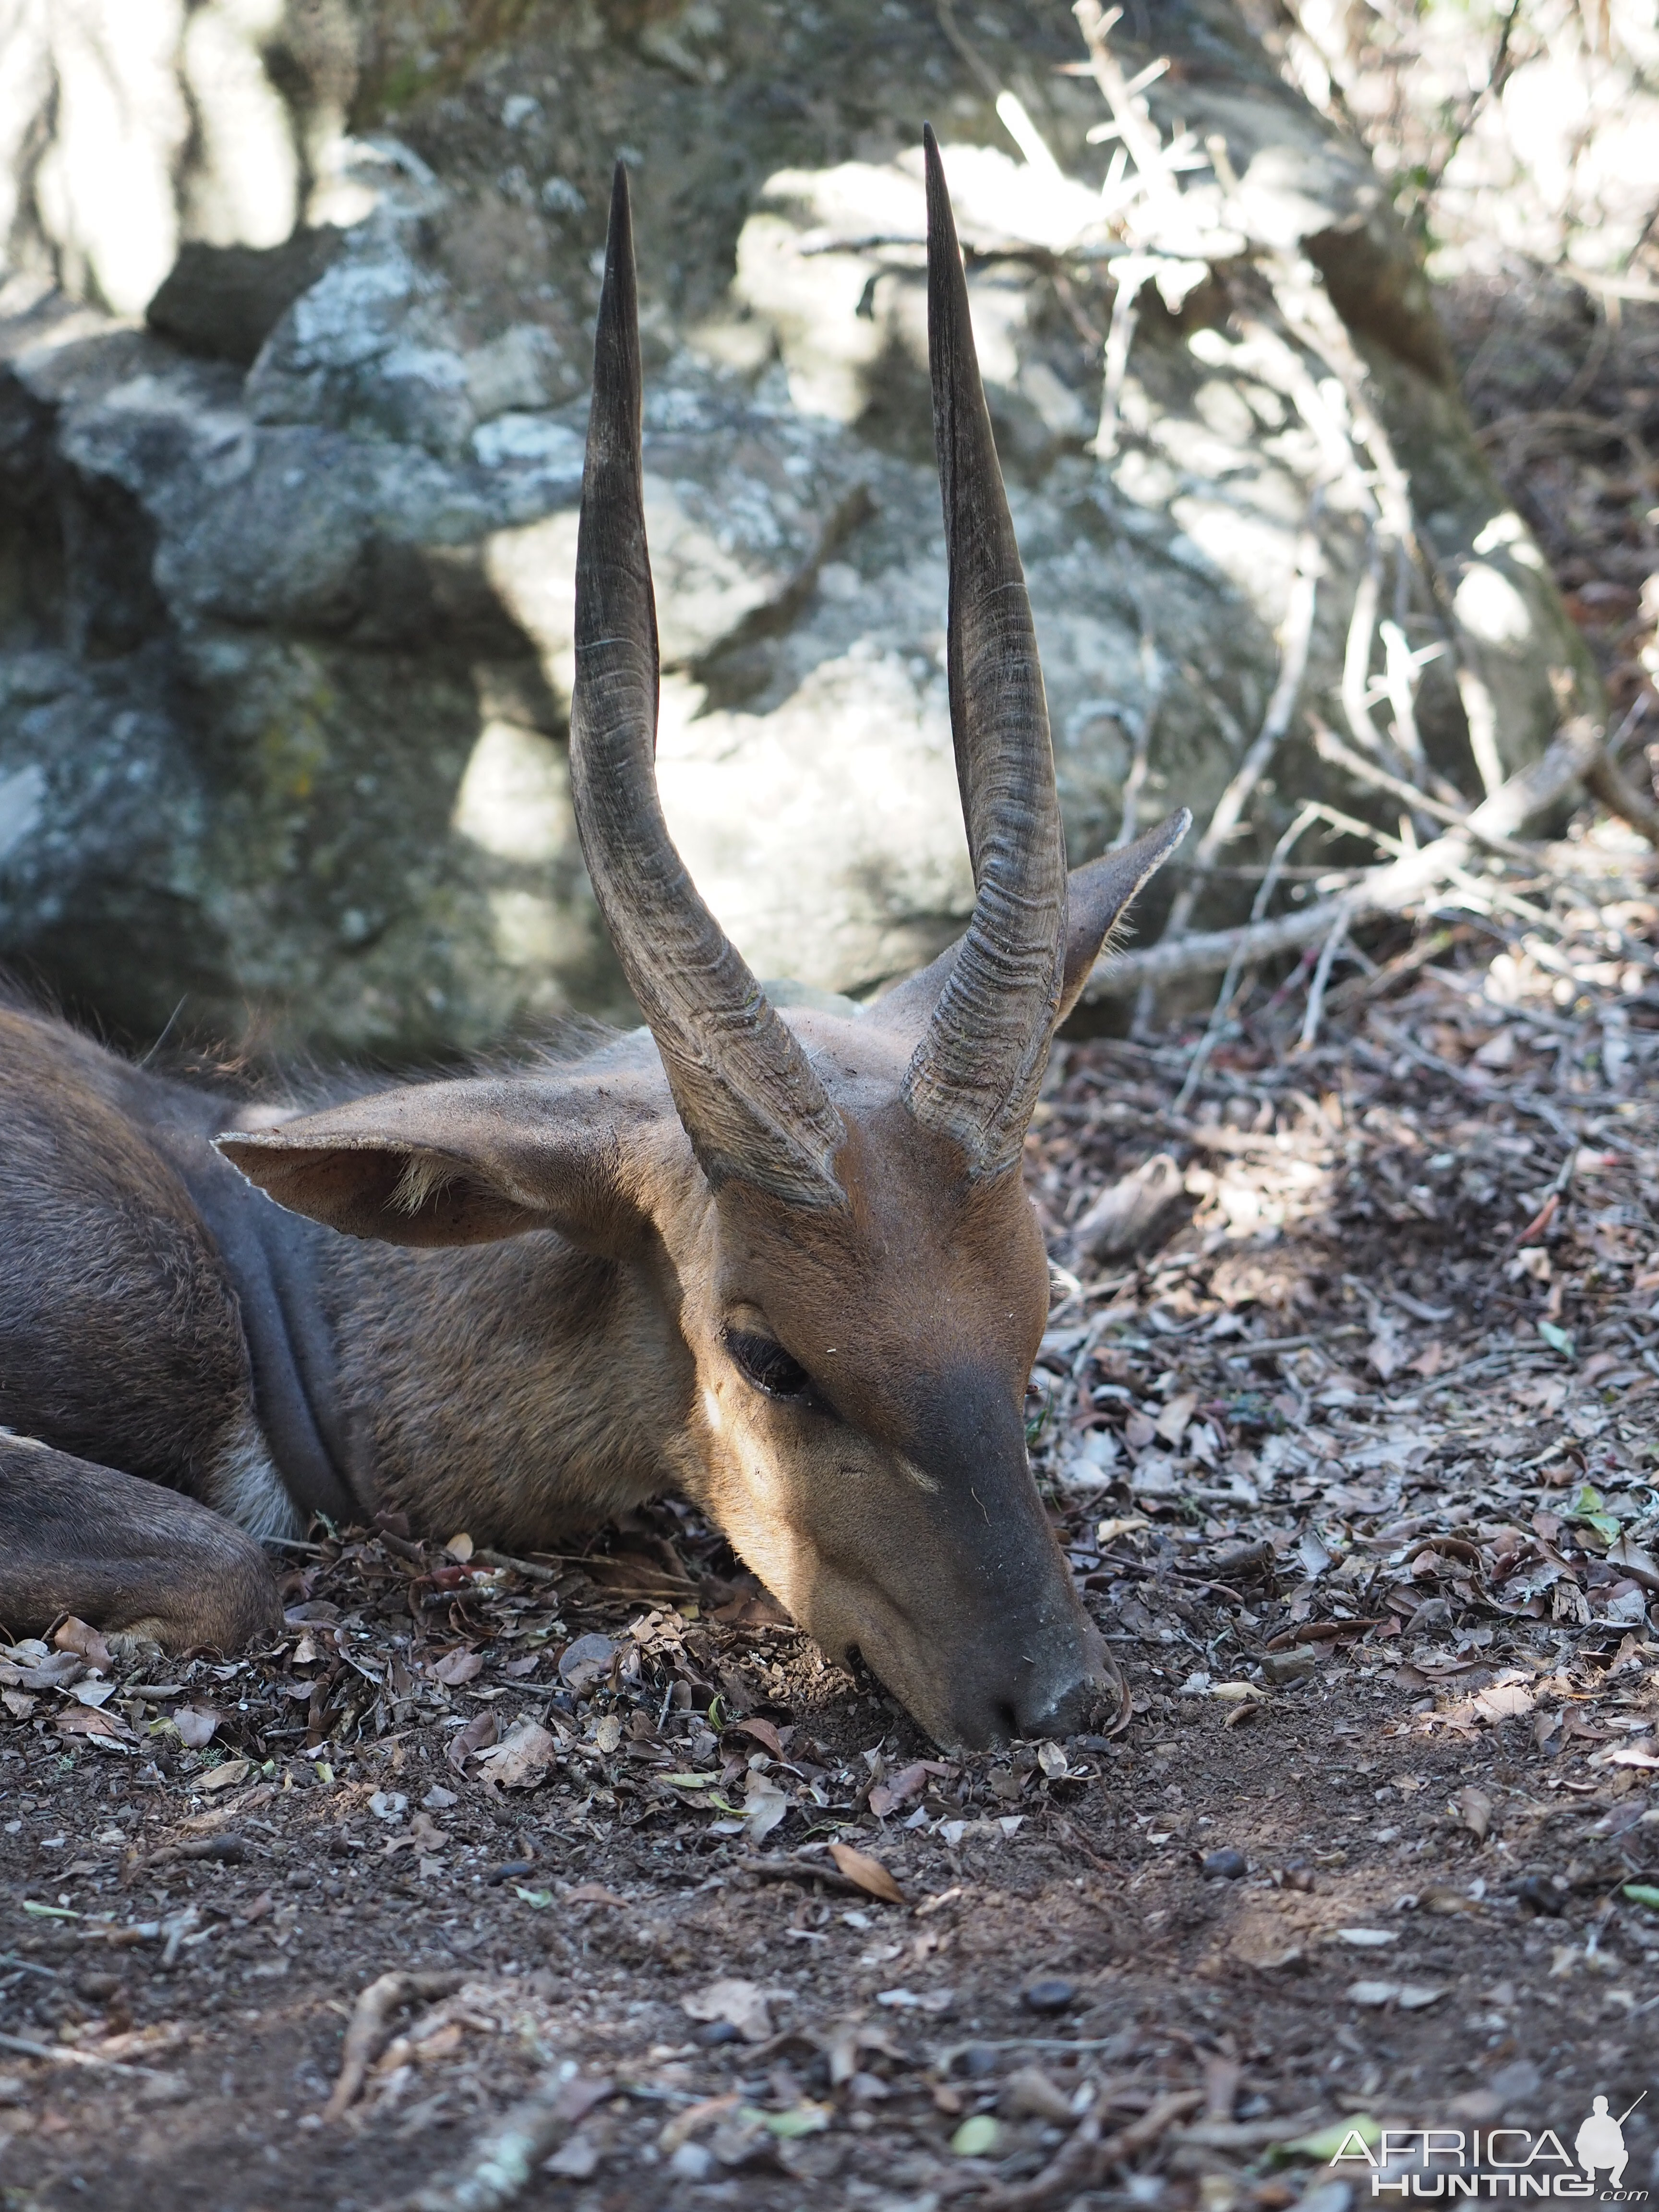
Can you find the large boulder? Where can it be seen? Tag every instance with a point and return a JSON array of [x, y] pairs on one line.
[[290, 438]]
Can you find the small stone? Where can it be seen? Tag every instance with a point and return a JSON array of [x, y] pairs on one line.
[[717, 2032], [691, 2162], [1539, 1895], [1050, 1996], [976, 2137], [1225, 1865], [979, 2060]]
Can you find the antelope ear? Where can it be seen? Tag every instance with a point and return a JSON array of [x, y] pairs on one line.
[[463, 1162], [1098, 898]]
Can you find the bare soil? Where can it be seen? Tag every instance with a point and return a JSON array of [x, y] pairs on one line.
[[1356, 1469]]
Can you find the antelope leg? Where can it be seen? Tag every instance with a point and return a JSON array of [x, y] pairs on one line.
[[124, 1555]]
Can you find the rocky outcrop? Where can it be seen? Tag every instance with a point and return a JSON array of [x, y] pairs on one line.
[[285, 592]]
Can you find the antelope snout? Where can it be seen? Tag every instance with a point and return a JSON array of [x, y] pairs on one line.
[[1052, 1685]]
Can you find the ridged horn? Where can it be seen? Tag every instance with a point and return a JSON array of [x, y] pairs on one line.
[[749, 1102], [976, 1073]]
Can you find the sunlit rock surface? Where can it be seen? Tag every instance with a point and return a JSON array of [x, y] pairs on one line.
[[285, 597]]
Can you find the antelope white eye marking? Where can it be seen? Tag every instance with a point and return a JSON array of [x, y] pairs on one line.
[[711, 1410], [915, 1475]]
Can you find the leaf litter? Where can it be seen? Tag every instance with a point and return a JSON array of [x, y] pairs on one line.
[[1375, 1548]]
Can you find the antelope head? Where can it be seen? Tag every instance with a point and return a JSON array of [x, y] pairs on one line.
[[829, 1213]]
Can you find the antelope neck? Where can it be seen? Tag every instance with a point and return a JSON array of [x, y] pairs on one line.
[[272, 1259]]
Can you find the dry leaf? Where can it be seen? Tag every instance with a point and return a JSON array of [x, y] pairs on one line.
[[764, 1735], [608, 1736], [522, 1757], [1172, 1423], [1382, 1356], [764, 1808], [196, 1725], [460, 1549], [898, 1789], [870, 1875], [1475, 1808], [223, 1777], [88, 1720], [76, 1636], [479, 1732], [456, 1667], [595, 1893], [583, 1662], [742, 2003]]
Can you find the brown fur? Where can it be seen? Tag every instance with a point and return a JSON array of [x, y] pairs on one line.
[[132, 1559], [535, 1319]]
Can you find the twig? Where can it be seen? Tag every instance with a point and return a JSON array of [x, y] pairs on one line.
[[1356, 655], [64, 2054], [367, 2034], [1135, 128], [504, 2162], [1620, 795], [1156, 671], [1386, 890], [1240, 955], [1119, 336], [1330, 747], [801, 1870], [1083, 2159], [1296, 637], [1480, 713], [1322, 976]]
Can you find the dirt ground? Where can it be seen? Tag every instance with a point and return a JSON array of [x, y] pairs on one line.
[[1355, 1467]]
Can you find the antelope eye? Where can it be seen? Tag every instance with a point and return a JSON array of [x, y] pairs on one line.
[[768, 1365]]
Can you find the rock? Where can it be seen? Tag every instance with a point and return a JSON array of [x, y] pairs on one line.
[[285, 601], [1225, 1865], [225, 300], [1053, 1994]]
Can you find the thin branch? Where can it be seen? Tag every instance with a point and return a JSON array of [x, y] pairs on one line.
[[1240, 955], [1620, 795], [1136, 130], [1119, 336], [1295, 638], [1322, 976], [1388, 890]]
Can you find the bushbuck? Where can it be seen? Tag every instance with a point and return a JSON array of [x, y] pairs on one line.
[[782, 1262]]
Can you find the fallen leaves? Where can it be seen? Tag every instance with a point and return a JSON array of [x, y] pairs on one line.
[[521, 1758], [1475, 1810], [1408, 1997], [741, 2005], [868, 1874], [226, 1775], [478, 1733]]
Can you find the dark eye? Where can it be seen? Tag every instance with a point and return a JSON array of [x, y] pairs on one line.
[[768, 1365]]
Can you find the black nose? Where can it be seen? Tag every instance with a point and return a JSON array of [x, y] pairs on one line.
[[1066, 1708], [1061, 1692]]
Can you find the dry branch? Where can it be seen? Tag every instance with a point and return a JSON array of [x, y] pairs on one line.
[[1083, 2160], [365, 2036], [500, 2167], [1387, 891], [1608, 782]]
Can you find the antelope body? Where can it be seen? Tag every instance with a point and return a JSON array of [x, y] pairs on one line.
[[782, 1262]]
